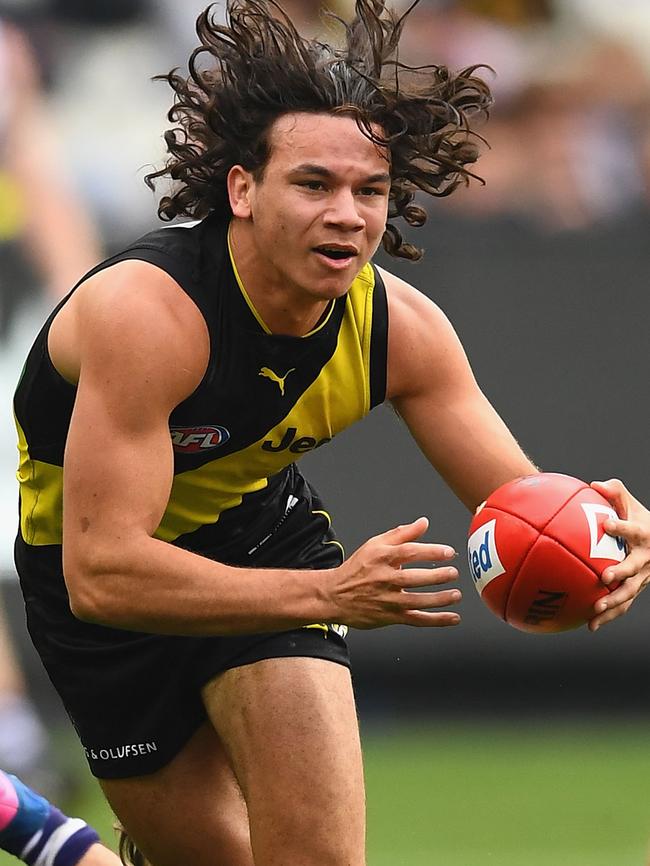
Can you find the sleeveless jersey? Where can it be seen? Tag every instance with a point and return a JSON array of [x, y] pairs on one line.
[[265, 399]]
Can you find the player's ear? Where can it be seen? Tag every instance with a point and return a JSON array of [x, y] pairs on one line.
[[239, 184]]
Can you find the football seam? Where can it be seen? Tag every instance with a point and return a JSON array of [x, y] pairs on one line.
[[559, 544], [537, 530], [532, 525], [521, 565], [585, 561]]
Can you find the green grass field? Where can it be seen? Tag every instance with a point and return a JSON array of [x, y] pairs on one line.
[[498, 795], [478, 795]]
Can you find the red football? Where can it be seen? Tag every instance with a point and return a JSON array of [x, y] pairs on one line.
[[537, 549]]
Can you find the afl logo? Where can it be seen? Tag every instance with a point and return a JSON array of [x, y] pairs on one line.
[[190, 440]]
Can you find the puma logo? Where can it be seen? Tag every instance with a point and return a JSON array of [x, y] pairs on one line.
[[279, 380]]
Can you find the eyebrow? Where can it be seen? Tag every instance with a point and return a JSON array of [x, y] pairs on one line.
[[321, 171]]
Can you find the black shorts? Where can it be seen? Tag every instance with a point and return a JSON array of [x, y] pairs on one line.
[[135, 698]]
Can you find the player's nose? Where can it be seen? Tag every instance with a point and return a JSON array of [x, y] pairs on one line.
[[344, 212]]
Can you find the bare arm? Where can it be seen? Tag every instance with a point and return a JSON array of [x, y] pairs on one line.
[[431, 385], [140, 353], [58, 231], [98, 855]]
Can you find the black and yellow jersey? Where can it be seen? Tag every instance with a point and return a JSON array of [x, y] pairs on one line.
[[265, 399]]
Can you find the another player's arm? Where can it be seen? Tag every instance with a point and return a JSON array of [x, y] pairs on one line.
[[58, 230], [138, 346], [431, 385]]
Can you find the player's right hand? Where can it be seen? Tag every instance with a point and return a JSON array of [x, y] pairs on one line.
[[372, 589]]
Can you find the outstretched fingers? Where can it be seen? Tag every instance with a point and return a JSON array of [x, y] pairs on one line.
[[413, 551], [415, 607], [426, 619], [382, 582], [424, 600], [415, 577], [405, 532]]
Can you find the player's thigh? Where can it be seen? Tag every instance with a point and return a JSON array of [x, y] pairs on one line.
[[190, 811], [290, 728]]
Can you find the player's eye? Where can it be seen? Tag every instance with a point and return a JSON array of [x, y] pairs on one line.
[[315, 185], [372, 191]]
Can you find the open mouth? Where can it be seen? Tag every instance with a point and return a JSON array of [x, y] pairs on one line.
[[336, 254]]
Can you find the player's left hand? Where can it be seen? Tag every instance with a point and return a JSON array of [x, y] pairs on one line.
[[633, 573]]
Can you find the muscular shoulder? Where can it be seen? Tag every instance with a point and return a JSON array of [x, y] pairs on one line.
[[132, 317], [421, 341]]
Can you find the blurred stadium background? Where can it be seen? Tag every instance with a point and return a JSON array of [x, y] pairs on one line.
[[484, 745]]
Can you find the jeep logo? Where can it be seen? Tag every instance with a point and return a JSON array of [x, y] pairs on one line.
[[295, 445]]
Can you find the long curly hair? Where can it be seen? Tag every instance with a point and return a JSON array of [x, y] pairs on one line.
[[247, 73]]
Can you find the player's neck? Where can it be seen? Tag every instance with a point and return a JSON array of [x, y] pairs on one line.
[[284, 308]]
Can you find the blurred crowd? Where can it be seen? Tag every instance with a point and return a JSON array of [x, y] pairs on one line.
[[569, 135], [81, 123]]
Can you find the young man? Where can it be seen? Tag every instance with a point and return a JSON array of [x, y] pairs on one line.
[[198, 639]]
